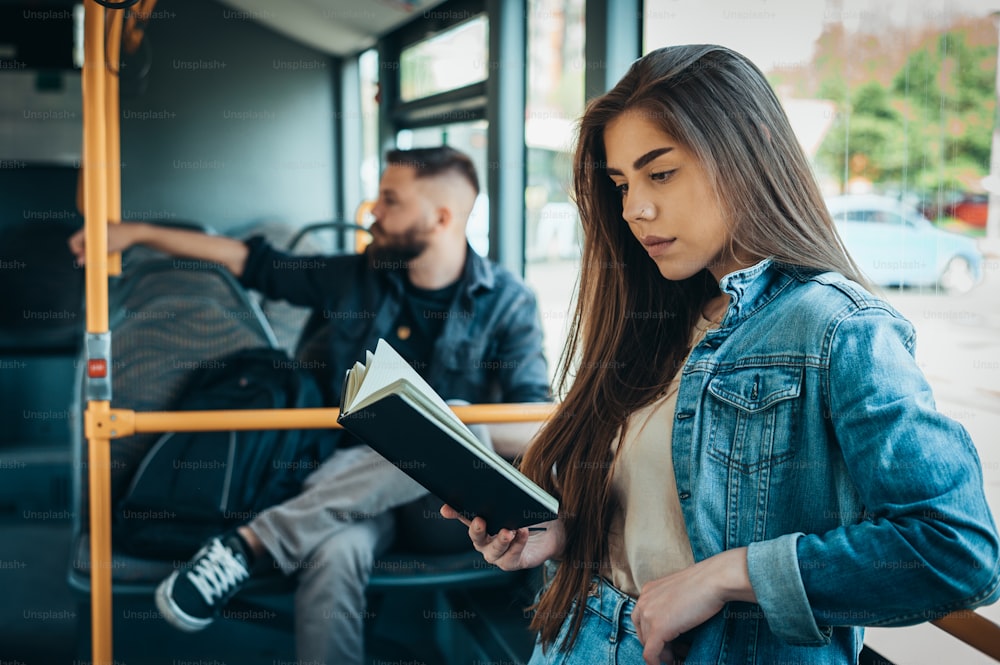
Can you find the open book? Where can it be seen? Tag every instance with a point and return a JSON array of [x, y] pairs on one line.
[[386, 404]]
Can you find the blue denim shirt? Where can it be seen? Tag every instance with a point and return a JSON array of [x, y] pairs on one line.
[[805, 430], [490, 348]]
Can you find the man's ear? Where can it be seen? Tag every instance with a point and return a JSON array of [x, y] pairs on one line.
[[445, 216]]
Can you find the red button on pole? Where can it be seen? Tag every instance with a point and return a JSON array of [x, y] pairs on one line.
[[97, 368]]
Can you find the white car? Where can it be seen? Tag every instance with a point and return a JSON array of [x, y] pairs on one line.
[[894, 245]]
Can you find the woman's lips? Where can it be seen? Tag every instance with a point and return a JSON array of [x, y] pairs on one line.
[[655, 245]]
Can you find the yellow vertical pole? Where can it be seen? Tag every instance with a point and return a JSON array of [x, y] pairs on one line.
[[95, 202], [112, 110]]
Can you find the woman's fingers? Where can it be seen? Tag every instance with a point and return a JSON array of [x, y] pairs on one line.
[[452, 514], [492, 547], [497, 549], [664, 657], [503, 549]]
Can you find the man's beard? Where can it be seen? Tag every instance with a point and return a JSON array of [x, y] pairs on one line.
[[396, 251]]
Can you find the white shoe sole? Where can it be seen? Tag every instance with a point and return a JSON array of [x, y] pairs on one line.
[[173, 614]]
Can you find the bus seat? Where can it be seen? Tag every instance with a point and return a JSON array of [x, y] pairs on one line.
[[167, 317], [41, 330], [41, 308]]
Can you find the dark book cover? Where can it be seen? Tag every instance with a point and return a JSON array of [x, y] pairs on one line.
[[434, 457]]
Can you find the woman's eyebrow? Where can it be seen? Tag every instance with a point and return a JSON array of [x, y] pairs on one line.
[[642, 161]]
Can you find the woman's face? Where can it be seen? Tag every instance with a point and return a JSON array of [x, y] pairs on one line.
[[667, 199]]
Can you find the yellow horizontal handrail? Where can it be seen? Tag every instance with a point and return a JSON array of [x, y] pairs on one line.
[[974, 629], [124, 422]]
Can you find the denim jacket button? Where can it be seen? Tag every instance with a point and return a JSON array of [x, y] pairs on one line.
[[684, 495]]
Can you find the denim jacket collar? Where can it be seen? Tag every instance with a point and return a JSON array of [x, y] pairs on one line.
[[753, 287], [477, 273]]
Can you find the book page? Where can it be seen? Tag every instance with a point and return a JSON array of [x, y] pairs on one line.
[[355, 376], [385, 368]]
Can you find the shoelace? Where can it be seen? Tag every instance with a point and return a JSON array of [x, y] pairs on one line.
[[217, 573]]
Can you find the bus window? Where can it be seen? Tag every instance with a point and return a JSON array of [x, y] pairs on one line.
[[442, 99], [443, 62], [369, 167], [555, 100], [470, 138]]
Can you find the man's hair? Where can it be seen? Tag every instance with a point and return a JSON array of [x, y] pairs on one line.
[[430, 162]]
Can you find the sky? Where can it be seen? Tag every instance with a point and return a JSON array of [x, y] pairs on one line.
[[778, 32]]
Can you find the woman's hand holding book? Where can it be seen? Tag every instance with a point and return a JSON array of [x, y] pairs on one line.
[[518, 549]]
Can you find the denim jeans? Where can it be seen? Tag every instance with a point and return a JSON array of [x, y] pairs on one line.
[[607, 634], [330, 536]]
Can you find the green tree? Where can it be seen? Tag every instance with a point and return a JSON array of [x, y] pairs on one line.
[[930, 129], [864, 141]]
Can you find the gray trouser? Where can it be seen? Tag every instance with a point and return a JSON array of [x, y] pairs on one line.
[[330, 535]]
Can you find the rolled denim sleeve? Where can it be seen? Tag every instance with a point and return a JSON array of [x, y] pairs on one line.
[[782, 595], [927, 544]]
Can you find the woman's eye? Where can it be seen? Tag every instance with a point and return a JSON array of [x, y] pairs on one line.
[[621, 189], [661, 176]]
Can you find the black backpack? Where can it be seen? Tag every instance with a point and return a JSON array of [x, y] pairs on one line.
[[194, 485]]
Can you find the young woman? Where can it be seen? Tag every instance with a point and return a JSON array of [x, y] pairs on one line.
[[748, 459]]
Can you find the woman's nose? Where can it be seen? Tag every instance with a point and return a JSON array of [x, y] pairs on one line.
[[637, 209]]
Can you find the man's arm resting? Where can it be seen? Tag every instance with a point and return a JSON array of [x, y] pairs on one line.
[[229, 252]]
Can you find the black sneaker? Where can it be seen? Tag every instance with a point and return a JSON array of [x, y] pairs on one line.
[[192, 597]]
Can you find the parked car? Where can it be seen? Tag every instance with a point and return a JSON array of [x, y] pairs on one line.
[[968, 207], [971, 209], [894, 245]]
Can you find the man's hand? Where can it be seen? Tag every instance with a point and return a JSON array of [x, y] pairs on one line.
[[526, 547], [120, 237]]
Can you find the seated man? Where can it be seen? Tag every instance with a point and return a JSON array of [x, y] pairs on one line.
[[468, 326]]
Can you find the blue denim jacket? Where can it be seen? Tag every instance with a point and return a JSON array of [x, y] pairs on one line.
[[805, 430], [490, 348]]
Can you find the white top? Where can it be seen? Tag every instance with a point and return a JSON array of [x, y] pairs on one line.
[[647, 539]]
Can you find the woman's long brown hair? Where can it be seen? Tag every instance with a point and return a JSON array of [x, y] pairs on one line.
[[631, 327]]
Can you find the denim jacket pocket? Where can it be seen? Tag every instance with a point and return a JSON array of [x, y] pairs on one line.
[[751, 416]]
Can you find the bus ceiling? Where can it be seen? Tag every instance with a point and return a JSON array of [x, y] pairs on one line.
[[337, 27]]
